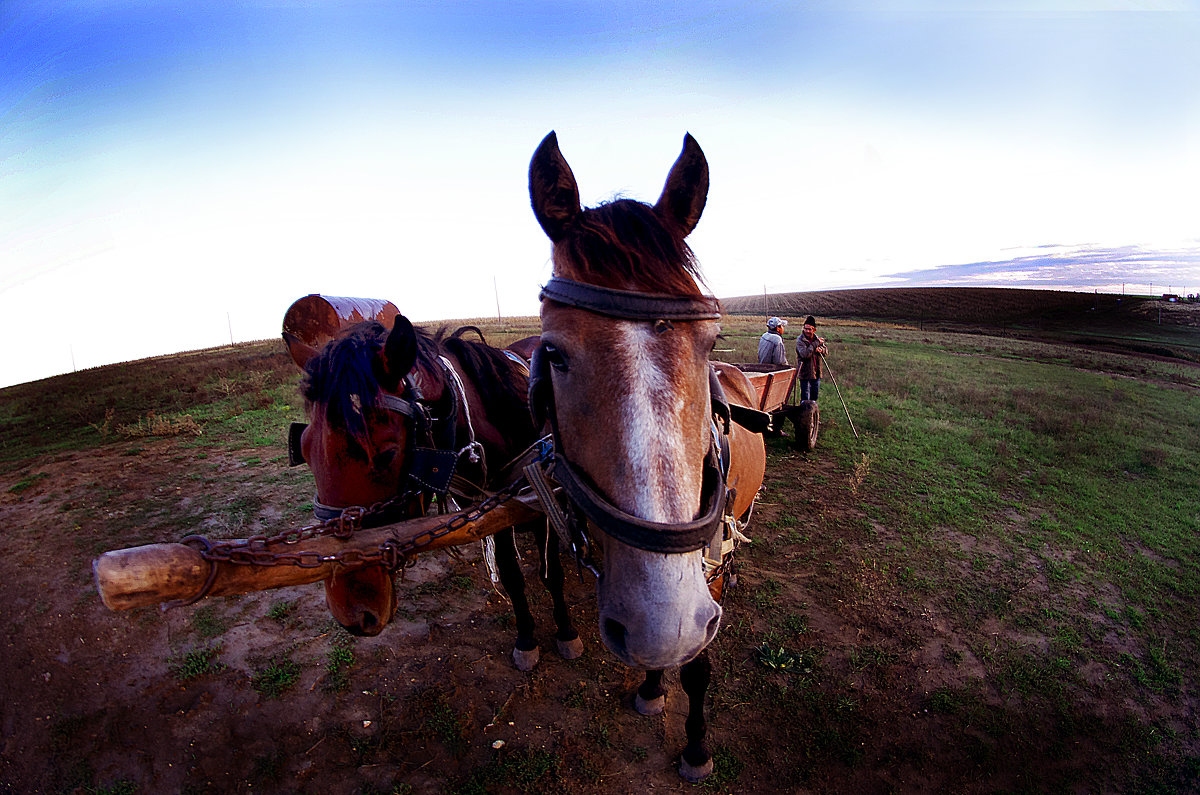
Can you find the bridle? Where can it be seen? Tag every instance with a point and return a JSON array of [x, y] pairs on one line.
[[431, 452], [657, 309]]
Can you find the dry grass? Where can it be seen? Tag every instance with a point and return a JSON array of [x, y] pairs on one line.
[[154, 425]]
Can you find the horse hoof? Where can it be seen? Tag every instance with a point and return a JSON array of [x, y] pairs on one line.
[[570, 649], [526, 660], [654, 706], [694, 775]]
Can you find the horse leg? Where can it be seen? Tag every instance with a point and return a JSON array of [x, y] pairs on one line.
[[361, 600], [569, 643], [525, 652], [651, 697], [696, 762]]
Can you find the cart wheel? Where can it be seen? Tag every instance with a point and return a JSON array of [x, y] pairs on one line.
[[807, 419]]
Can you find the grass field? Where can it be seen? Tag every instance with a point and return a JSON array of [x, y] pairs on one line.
[[994, 587]]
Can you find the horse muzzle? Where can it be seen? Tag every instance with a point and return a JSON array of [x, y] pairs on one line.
[[655, 609]]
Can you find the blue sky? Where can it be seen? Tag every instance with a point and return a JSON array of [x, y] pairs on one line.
[[172, 174]]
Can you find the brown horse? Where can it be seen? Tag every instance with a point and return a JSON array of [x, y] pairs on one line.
[[399, 416], [623, 374]]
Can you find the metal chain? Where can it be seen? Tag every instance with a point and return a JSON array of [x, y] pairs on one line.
[[392, 552]]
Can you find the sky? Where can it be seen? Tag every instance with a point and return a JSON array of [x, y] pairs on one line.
[[174, 175]]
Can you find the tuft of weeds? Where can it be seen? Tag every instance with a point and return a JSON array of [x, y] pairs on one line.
[[534, 770], [277, 677], [766, 594], [154, 424], [282, 610], [339, 661], [196, 663], [726, 769], [777, 659], [25, 484], [862, 468], [445, 725]]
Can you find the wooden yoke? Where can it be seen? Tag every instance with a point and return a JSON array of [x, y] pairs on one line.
[[157, 573]]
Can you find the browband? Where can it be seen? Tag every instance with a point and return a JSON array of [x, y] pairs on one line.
[[629, 305]]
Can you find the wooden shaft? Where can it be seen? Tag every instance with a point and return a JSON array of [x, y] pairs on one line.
[[156, 573]]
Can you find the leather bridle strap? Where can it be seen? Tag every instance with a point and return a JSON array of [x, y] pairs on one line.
[[652, 536], [630, 305]]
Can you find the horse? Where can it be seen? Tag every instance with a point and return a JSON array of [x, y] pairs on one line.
[[398, 416], [639, 416]]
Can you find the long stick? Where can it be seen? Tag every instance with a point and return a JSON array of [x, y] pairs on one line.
[[839, 393]]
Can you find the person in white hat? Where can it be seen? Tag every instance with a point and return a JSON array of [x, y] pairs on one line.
[[770, 345]]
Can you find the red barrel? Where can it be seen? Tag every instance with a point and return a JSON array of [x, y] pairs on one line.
[[316, 319]]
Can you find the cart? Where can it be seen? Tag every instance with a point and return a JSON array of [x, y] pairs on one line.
[[774, 386]]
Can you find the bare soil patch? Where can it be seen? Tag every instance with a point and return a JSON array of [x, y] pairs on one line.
[[94, 699]]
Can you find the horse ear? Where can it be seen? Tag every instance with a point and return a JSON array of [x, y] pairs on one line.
[[399, 354], [302, 353], [553, 191], [686, 191]]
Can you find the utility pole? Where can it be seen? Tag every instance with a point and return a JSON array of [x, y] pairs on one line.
[[496, 290]]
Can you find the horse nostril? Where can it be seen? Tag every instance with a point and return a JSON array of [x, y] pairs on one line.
[[368, 625], [713, 625], [614, 633]]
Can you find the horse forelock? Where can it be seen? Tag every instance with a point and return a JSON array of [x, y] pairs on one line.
[[342, 381], [626, 245]]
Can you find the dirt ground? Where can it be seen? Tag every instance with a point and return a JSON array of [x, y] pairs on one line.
[[93, 701]]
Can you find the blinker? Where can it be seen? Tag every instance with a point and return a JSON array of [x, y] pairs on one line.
[[295, 454]]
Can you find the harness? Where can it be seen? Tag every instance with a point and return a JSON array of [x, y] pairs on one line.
[[431, 454], [585, 500]]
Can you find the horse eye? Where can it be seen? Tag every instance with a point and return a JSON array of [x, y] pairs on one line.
[[554, 357]]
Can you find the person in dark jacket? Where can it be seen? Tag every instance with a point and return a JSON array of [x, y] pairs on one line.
[[809, 348], [770, 345]]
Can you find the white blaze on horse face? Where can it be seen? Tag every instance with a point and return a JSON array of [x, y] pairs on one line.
[[652, 415], [655, 608]]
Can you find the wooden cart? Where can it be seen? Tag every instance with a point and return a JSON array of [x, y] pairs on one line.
[[774, 385]]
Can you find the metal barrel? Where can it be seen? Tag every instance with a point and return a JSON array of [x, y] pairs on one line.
[[316, 319]]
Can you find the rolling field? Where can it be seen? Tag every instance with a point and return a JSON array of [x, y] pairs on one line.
[[1137, 324], [993, 587]]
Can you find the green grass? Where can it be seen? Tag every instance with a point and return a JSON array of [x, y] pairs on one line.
[[26, 483], [526, 770], [282, 611], [339, 661], [1006, 485], [196, 663], [1036, 501], [209, 621], [1078, 479], [275, 678], [243, 396]]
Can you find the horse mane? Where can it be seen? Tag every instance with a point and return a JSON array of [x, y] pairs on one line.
[[502, 384], [343, 379], [624, 244]]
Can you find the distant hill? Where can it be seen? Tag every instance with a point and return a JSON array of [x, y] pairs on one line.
[[1130, 323], [993, 305]]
